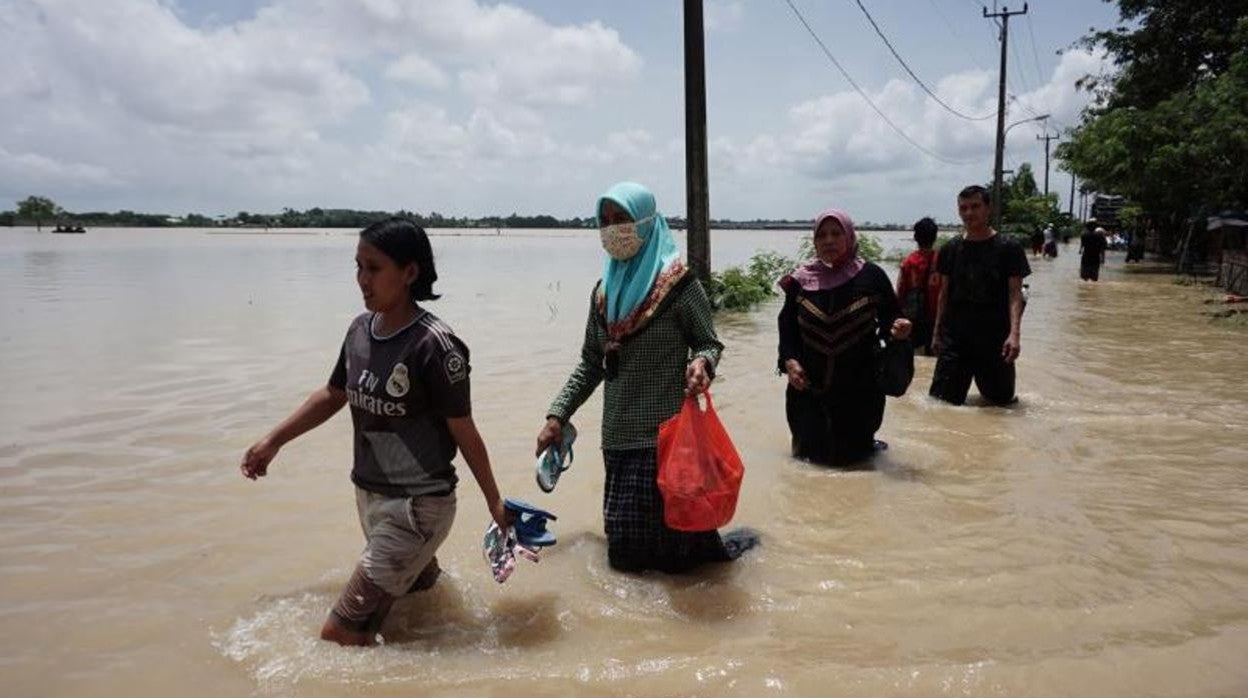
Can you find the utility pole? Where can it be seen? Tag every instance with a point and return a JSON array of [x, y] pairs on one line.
[[1005, 15], [697, 192], [1070, 205], [1046, 138]]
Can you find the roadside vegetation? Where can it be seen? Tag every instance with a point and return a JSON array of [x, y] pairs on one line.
[[743, 287]]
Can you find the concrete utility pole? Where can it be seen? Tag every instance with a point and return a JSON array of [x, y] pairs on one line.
[[697, 191], [1070, 205], [1005, 15], [1046, 138]]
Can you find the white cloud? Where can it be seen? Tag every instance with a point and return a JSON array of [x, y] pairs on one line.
[[463, 106], [499, 51], [278, 105], [559, 65], [841, 148], [417, 70], [839, 135]]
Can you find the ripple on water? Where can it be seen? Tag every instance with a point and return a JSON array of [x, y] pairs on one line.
[[462, 633]]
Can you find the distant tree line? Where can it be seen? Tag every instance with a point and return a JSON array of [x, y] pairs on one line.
[[40, 211]]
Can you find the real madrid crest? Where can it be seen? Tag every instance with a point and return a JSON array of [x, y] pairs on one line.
[[398, 384]]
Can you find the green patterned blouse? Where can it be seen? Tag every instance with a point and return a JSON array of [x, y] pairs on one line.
[[650, 385]]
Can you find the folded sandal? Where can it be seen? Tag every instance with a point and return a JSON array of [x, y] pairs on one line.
[[530, 523], [555, 459]]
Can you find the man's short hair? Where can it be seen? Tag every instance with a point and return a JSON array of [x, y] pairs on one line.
[[976, 190], [925, 232]]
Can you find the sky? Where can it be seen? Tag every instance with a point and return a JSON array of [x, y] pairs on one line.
[[472, 108]]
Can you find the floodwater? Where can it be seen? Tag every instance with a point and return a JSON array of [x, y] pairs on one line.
[[1089, 541]]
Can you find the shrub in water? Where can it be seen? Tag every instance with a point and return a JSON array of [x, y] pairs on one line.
[[742, 288]]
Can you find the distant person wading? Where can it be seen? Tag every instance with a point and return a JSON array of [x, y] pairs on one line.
[[1092, 246]]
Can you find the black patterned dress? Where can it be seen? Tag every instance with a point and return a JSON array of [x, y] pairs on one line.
[[835, 335]]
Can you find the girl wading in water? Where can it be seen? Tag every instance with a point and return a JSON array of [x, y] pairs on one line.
[[405, 375], [649, 335]]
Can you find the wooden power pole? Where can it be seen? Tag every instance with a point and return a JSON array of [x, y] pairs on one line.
[[696, 188], [1005, 15]]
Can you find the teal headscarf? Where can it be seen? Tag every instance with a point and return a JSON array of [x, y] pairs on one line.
[[628, 283]]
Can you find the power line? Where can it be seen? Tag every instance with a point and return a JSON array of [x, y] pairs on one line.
[[863, 94], [1022, 78], [1035, 52], [900, 60], [957, 35], [1014, 92]]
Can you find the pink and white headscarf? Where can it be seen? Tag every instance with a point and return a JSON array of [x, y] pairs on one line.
[[816, 274]]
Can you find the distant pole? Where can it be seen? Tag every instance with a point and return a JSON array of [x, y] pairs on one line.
[[697, 191], [1046, 138], [1070, 205], [1005, 15]]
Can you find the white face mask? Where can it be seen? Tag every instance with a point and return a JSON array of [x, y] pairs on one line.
[[621, 240]]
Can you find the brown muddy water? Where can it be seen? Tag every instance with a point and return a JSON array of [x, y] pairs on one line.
[[1089, 541]]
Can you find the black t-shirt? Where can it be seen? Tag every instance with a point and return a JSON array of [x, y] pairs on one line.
[[401, 389], [977, 300], [1093, 245]]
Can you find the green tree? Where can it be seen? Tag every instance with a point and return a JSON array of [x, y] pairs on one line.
[[1169, 129], [37, 209], [1025, 214], [1024, 207], [1165, 46]]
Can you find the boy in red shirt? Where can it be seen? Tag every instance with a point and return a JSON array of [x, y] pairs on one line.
[[918, 285]]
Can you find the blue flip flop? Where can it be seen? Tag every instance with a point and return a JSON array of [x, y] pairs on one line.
[[530, 524], [555, 459]]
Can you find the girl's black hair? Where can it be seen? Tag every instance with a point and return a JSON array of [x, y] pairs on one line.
[[406, 243]]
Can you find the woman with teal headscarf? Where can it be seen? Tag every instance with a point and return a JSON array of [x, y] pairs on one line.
[[650, 337]]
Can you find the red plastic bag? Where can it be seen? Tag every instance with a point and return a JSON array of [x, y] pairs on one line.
[[699, 469]]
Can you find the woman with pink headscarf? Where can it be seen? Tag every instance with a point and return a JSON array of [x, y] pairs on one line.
[[838, 310]]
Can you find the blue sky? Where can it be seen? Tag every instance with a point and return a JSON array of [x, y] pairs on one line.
[[470, 108]]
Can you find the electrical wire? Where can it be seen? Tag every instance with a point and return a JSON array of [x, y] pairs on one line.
[[910, 72], [1018, 62], [863, 94], [1035, 52], [958, 36]]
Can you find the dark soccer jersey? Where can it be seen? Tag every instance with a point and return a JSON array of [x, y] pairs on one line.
[[401, 389], [977, 299]]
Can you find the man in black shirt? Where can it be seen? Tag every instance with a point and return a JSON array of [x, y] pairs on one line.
[[980, 310], [1092, 252]]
